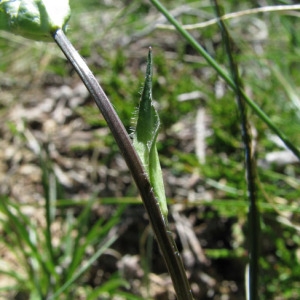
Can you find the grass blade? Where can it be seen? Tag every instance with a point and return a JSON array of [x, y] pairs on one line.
[[76, 275], [253, 213], [257, 110]]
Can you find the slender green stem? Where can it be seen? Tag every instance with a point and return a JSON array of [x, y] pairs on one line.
[[253, 213], [163, 236], [49, 190], [225, 76]]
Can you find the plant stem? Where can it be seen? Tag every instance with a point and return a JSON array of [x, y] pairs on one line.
[[253, 213], [225, 76], [163, 235]]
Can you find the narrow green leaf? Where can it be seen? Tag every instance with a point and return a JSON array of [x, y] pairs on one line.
[[106, 244], [110, 287], [34, 19], [213, 63], [145, 136]]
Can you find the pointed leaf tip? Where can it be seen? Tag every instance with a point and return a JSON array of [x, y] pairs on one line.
[[145, 139]]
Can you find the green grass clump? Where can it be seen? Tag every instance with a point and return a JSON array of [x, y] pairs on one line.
[[105, 34], [52, 254]]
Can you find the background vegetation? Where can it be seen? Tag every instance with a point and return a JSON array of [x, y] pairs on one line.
[[70, 214]]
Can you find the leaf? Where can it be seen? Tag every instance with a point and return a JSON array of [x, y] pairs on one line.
[[34, 19], [144, 139]]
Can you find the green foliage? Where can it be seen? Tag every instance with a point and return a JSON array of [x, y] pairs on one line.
[[52, 266], [144, 139], [179, 70], [34, 19]]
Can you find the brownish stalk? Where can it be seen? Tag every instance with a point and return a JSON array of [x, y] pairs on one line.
[[163, 235]]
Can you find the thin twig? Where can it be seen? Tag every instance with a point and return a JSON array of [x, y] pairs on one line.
[[234, 15], [163, 235]]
